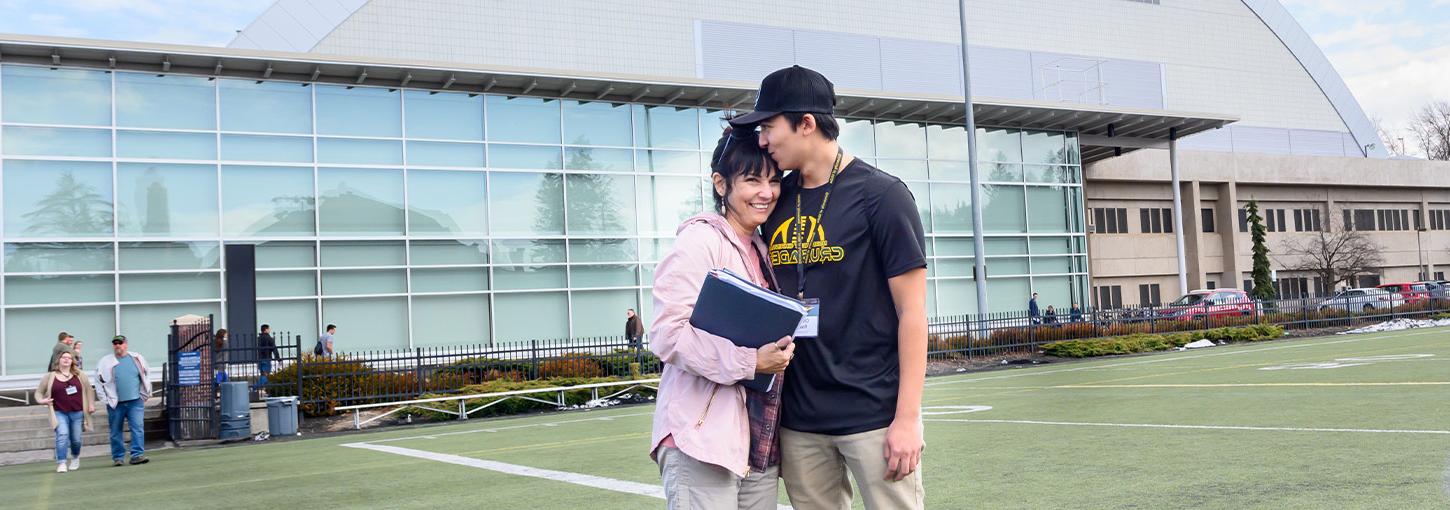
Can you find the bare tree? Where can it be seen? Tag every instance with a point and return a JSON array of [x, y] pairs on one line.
[[1393, 139], [1336, 255], [1431, 127]]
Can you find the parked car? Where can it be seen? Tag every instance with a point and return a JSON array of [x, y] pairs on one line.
[[1364, 299], [1209, 302], [1438, 290], [1412, 292]]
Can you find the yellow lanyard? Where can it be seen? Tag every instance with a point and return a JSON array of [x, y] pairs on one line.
[[800, 261]]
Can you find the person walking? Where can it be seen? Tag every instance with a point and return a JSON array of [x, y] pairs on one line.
[[125, 384], [1033, 313], [266, 354], [633, 329], [63, 343], [68, 393]]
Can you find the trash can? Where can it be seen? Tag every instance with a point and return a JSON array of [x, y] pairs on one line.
[[282, 416], [236, 419]]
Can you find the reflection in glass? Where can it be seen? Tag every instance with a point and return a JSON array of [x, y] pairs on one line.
[[594, 123], [55, 96], [1048, 209], [167, 256], [360, 201], [58, 257], [677, 162], [604, 160], [447, 202], [600, 204], [665, 202], [463, 279], [170, 101], [358, 111], [999, 145], [57, 198], [947, 142], [529, 277], [858, 137], [445, 154], [267, 201], [265, 106], [448, 252], [281, 149], [349, 151], [907, 169], [363, 253], [444, 115], [602, 250], [164, 145], [523, 119], [921, 194], [667, 127], [38, 141], [528, 157], [906, 140], [1001, 172], [1003, 209], [951, 208], [1043, 147], [528, 251], [166, 200], [615, 275], [526, 203]]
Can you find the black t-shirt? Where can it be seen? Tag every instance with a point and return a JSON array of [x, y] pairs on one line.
[[845, 381]]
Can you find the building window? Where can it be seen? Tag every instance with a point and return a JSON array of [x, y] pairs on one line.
[[1372, 280], [1110, 220], [1440, 219], [1155, 221], [1109, 297], [1274, 220], [1212, 285], [1307, 220], [1207, 220], [1293, 288], [1243, 220], [1149, 295], [1439, 275]]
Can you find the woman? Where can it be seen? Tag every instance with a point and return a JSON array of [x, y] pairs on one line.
[[219, 355], [71, 399], [1051, 316], [713, 440], [76, 349]]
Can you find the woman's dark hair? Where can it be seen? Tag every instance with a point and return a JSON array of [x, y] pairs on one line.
[[738, 154]]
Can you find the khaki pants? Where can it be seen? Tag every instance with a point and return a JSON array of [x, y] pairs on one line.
[[814, 467], [694, 485]]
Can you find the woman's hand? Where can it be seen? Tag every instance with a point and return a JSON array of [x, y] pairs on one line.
[[44, 401], [772, 358]]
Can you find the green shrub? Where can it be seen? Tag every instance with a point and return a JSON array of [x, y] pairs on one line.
[[332, 382], [514, 405], [1141, 342]]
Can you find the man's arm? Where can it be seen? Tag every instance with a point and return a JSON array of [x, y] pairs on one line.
[[904, 438]]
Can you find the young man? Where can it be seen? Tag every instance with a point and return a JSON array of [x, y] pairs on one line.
[[847, 234], [324, 341], [63, 343], [266, 353], [125, 385], [1033, 312]]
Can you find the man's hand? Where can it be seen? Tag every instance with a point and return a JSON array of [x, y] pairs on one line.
[[903, 449]]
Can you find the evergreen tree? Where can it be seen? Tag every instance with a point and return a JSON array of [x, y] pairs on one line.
[[1263, 285]]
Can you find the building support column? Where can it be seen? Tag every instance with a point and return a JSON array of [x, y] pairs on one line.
[[1177, 210], [1192, 233], [1424, 230], [1228, 220]]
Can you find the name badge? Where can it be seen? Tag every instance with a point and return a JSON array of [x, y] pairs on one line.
[[70, 390], [809, 326]]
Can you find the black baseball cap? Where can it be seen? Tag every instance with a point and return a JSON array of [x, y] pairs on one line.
[[794, 89], [118, 339]]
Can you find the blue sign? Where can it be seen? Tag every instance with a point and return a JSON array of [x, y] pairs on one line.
[[188, 368]]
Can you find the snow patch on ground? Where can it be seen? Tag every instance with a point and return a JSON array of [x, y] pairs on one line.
[[1399, 325]]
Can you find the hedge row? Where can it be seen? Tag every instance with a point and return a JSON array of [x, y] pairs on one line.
[[1141, 342]]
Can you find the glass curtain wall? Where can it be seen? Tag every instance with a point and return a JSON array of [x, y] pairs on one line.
[[422, 218]]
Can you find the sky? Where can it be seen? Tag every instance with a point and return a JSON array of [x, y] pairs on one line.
[[1394, 54]]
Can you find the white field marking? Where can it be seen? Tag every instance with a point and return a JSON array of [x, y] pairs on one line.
[[1168, 358], [1251, 385], [596, 482], [940, 410], [1349, 362], [1193, 427], [512, 427]]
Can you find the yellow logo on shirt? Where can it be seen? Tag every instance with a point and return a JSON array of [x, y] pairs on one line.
[[787, 249]]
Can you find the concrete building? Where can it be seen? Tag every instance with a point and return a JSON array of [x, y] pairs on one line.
[[437, 172]]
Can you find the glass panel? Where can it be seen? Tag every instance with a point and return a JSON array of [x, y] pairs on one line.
[[665, 202], [1046, 245], [357, 282], [56, 96], [34, 141], [446, 154], [450, 280], [619, 275], [906, 140], [1006, 246], [358, 201], [1043, 147], [526, 203], [283, 149], [362, 253], [267, 201], [1073, 155], [523, 119], [1048, 209], [162, 256], [57, 198], [444, 115], [954, 267], [531, 316], [1051, 265], [1050, 174], [955, 246], [600, 204], [286, 254], [269, 107], [601, 313], [596, 124], [170, 286], [146, 327], [931, 299], [999, 145], [656, 249], [602, 250], [1007, 266], [606, 160], [951, 207], [951, 171], [56, 257], [957, 297], [371, 323], [41, 290], [528, 251], [166, 200], [164, 145], [647, 307], [448, 252], [447, 202], [450, 320], [946, 142], [677, 162], [524, 157], [921, 194], [359, 152], [170, 101], [667, 127], [858, 137], [1055, 291], [528, 277], [358, 111], [286, 283], [1010, 295], [90, 324], [1002, 209], [290, 319], [1001, 172], [712, 127], [910, 169]]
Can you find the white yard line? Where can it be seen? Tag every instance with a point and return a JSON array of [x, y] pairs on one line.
[[1192, 427], [511, 427]]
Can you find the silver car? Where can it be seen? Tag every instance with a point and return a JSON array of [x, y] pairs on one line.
[[1366, 299]]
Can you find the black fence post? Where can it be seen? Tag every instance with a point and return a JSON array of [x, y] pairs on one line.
[[418, 368], [297, 361], [534, 357]]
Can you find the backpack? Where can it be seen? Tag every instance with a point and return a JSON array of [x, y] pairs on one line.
[[318, 349]]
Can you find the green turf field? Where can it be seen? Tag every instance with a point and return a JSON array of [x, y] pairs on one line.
[[1337, 422]]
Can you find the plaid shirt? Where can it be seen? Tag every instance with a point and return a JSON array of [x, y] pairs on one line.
[[764, 412]]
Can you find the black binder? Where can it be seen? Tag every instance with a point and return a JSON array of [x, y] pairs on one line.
[[751, 316]]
